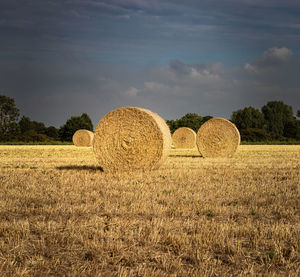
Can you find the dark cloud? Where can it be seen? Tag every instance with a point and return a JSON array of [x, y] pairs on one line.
[[63, 57]]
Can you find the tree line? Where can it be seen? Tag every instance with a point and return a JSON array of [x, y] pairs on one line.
[[275, 121], [27, 130]]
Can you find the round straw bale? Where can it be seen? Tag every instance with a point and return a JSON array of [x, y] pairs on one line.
[[83, 138], [218, 137], [130, 138], [184, 138]]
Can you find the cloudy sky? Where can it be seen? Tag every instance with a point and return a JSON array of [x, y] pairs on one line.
[[60, 58]]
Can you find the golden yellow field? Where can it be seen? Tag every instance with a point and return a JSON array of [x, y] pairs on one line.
[[61, 216]]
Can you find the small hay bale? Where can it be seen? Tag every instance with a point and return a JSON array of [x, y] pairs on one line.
[[83, 138], [130, 138], [184, 138], [218, 137]]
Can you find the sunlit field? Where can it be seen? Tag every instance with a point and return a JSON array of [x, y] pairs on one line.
[[60, 215]]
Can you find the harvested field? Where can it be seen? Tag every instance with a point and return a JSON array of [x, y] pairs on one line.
[[60, 215]]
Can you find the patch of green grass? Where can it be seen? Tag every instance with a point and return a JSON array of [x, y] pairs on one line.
[[210, 213]]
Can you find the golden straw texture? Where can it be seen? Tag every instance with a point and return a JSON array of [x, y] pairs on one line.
[[218, 137], [130, 138], [83, 138], [184, 138]]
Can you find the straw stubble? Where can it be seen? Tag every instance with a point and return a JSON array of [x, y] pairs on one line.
[[130, 138]]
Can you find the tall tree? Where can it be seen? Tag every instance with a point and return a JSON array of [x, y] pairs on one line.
[[25, 124], [247, 118], [190, 120], [88, 121], [73, 124], [9, 114], [277, 115], [52, 132], [292, 129], [206, 118]]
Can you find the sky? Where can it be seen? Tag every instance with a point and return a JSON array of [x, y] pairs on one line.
[[61, 58]]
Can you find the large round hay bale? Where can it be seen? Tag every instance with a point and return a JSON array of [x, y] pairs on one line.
[[218, 137], [83, 138], [184, 138], [129, 139]]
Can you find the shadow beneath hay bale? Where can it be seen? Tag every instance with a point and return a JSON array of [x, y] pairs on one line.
[[186, 156], [80, 167]]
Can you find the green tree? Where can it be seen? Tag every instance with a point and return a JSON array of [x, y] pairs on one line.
[[254, 134], [73, 124], [25, 124], [277, 115], [172, 125], [248, 118], [88, 121], [39, 127], [33, 136], [190, 120], [292, 129], [206, 118], [9, 114], [52, 132]]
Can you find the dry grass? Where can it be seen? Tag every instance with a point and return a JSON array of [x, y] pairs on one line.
[[61, 216]]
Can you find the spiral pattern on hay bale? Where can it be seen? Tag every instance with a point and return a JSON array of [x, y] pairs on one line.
[[218, 137], [184, 138], [83, 137], [131, 138]]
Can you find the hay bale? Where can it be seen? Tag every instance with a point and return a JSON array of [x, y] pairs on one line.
[[83, 138], [130, 138], [184, 138], [218, 137]]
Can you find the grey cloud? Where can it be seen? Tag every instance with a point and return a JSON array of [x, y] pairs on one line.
[[271, 60], [53, 91], [179, 67]]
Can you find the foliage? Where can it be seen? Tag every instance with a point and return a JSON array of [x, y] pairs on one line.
[[248, 118], [52, 132], [32, 135], [292, 129], [275, 122], [73, 124], [9, 114], [254, 135], [277, 115], [190, 120], [27, 125]]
